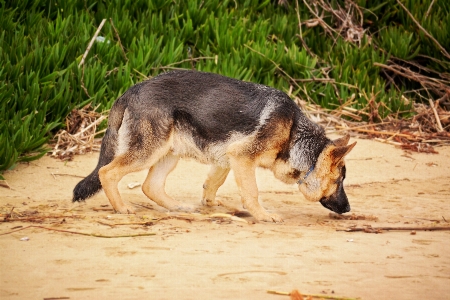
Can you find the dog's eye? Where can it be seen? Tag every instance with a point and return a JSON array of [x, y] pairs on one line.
[[342, 176]]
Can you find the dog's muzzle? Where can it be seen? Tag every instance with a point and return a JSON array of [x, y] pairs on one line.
[[338, 202]]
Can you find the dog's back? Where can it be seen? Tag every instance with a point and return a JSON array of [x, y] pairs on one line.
[[215, 104]]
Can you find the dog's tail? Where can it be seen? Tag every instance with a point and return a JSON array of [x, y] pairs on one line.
[[91, 184]]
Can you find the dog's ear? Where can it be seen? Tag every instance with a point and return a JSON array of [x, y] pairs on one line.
[[338, 153], [343, 141]]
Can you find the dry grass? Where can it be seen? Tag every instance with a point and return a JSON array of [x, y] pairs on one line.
[[79, 137]]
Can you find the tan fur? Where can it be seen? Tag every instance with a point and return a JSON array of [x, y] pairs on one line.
[[216, 177], [322, 181], [244, 162], [111, 174]]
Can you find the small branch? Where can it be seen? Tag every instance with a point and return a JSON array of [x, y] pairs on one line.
[[118, 38], [380, 229], [320, 296], [424, 31], [9, 219], [375, 132], [72, 175], [91, 43], [147, 223], [438, 121], [82, 83], [4, 184], [188, 60], [81, 233], [102, 209], [144, 206], [300, 36], [429, 9], [316, 79]]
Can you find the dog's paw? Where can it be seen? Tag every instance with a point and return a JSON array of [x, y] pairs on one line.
[[209, 202], [125, 209], [269, 218], [183, 207]]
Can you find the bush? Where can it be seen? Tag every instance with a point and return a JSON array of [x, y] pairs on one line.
[[43, 41]]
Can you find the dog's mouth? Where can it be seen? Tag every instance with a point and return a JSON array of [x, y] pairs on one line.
[[337, 202], [336, 207]]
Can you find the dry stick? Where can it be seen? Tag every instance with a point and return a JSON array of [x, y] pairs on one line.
[[316, 79], [5, 184], [311, 295], [424, 31], [98, 121], [301, 32], [438, 121], [118, 38], [377, 132], [148, 223], [318, 18], [375, 229], [147, 207], [63, 174], [185, 60], [82, 83], [91, 43], [363, 126], [81, 233], [436, 85], [6, 219], [102, 209]]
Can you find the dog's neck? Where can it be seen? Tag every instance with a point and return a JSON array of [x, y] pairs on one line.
[[309, 142]]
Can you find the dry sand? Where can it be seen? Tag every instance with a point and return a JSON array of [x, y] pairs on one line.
[[193, 256]]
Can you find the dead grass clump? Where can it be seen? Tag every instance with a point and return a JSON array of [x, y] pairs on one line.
[[79, 136]]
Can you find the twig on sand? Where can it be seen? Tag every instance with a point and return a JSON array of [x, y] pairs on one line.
[[381, 229], [295, 294], [102, 209], [82, 233], [63, 174], [147, 223], [8, 218], [4, 184]]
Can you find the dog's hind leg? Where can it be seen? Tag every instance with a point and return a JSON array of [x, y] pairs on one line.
[[111, 174], [216, 177], [154, 184], [130, 161]]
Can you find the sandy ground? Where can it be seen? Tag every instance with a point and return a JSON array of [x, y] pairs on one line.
[[194, 256]]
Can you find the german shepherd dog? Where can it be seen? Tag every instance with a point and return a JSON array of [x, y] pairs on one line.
[[227, 123]]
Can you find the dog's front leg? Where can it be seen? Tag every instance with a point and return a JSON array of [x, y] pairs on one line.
[[244, 172], [215, 179], [154, 184]]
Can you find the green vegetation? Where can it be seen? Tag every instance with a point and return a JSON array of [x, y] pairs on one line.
[[334, 64]]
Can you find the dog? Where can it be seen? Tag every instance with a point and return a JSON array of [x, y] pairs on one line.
[[227, 123]]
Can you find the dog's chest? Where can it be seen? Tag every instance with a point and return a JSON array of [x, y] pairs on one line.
[[184, 145]]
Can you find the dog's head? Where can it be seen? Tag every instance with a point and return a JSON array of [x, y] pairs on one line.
[[325, 181]]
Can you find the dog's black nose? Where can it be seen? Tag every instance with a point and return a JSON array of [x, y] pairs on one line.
[[337, 207]]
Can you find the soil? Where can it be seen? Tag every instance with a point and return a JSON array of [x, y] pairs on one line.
[[207, 256]]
